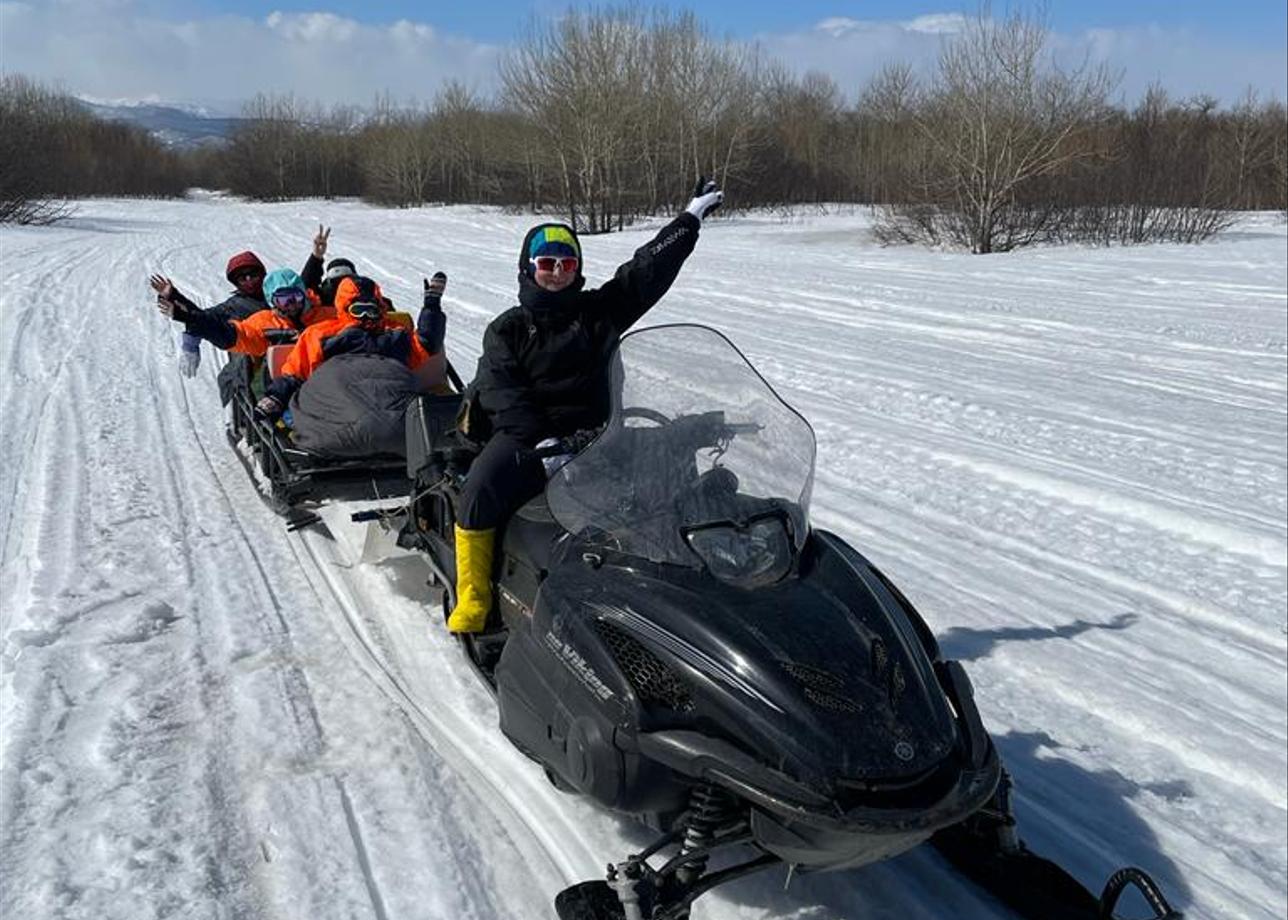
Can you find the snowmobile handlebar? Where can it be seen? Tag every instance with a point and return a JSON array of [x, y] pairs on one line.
[[706, 429]]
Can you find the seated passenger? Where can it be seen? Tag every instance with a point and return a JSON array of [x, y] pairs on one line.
[[348, 380], [245, 272], [324, 282], [291, 310], [544, 373], [431, 325]]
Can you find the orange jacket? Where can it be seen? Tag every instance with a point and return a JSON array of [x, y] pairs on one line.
[[342, 334], [254, 333]]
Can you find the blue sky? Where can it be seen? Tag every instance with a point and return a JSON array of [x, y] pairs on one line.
[[222, 52], [1259, 21]]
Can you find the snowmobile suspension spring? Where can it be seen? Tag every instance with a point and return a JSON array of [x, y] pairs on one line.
[[708, 806]]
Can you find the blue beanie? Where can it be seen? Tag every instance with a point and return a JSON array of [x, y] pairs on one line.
[[280, 279]]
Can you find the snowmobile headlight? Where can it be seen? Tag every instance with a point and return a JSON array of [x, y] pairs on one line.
[[748, 554]]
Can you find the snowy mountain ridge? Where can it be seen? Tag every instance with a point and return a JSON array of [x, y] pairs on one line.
[[178, 125]]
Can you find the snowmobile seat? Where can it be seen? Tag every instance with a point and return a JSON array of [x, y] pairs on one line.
[[431, 429], [531, 532]]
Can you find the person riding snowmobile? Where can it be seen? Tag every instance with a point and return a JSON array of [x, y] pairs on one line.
[[544, 373], [348, 381], [245, 272], [360, 326], [292, 309], [325, 281], [431, 325]]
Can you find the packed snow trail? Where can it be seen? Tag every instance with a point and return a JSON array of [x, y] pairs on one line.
[[1072, 460]]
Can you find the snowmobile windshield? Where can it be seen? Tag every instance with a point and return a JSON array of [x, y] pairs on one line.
[[701, 463]]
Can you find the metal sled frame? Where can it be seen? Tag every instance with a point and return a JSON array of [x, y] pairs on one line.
[[292, 475]]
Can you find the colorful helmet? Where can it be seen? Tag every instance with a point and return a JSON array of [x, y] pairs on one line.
[[240, 263]]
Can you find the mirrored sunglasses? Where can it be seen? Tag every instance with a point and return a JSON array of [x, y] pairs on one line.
[[567, 264]]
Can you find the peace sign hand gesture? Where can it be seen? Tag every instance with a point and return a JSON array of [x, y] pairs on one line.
[[320, 241]]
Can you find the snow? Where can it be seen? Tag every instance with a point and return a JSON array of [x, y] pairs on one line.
[[1072, 460]]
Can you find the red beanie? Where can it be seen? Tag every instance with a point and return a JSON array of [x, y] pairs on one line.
[[241, 262]]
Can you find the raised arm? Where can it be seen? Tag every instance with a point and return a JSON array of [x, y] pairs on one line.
[[312, 271], [431, 325], [641, 282]]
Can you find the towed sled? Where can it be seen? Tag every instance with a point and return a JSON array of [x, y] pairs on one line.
[[292, 477], [673, 640]]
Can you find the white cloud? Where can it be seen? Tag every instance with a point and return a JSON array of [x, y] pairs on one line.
[[1183, 61], [116, 50], [938, 23], [312, 28]]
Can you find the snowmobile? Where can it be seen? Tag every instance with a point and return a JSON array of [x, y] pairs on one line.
[[673, 640]]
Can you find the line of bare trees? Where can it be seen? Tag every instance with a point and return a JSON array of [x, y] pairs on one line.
[[1001, 148], [606, 116], [51, 149]]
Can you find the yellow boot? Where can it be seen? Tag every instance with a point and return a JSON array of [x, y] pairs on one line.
[[473, 580]]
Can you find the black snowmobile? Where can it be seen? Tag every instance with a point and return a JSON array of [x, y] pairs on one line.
[[674, 641]]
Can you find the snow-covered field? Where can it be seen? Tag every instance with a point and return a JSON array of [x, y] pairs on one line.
[[1073, 461]]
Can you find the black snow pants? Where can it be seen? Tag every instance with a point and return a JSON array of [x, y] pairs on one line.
[[501, 479]]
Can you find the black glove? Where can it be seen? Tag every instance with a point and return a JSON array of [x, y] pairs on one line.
[[434, 288], [706, 198], [431, 325], [268, 408]]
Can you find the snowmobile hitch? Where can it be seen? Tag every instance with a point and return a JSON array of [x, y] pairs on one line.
[[1130, 876], [383, 515], [299, 519], [987, 849]]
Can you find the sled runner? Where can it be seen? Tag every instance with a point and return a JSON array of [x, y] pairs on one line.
[[672, 639]]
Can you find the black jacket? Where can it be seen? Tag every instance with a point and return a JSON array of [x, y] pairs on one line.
[[238, 306], [544, 371]]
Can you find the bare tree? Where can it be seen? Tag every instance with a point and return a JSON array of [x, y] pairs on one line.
[[999, 115]]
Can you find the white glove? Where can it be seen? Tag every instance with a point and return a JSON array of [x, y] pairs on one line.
[[189, 355], [706, 198], [555, 463]]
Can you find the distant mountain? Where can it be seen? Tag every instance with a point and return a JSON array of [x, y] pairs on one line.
[[173, 125]]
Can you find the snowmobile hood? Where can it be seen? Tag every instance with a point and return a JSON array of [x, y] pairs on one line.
[[824, 674]]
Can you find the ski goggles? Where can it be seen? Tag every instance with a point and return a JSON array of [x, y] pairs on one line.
[[248, 274], [364, 310], [566, 264], [288, 297], [336, 272]]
